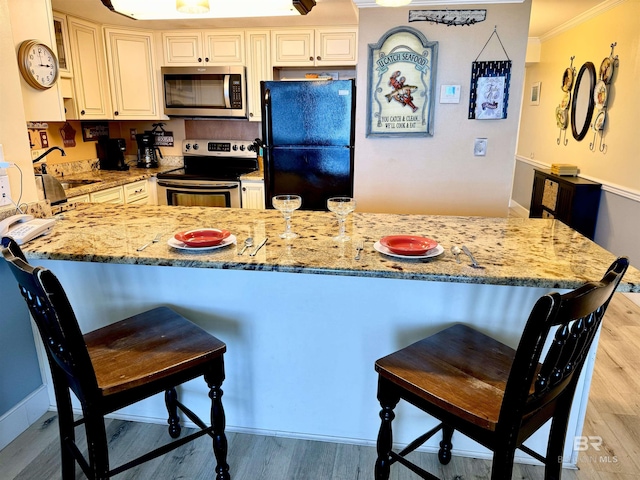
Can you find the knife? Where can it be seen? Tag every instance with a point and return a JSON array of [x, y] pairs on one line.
[[253, 254], [473, 260]]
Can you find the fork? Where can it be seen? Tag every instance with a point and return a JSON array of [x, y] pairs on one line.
[[155, 240], [359, 248]]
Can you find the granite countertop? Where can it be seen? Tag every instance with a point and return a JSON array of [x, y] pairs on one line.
[[515, 251], [110, 178]]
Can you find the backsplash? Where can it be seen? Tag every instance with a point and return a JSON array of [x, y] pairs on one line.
[[81, 166]]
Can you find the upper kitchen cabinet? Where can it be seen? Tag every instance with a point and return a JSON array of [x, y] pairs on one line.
[[314, 47], [220, 47], [89, 70], [259, 68], [132, 74]]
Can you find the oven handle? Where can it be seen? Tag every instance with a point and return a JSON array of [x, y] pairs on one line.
[[200, 186]]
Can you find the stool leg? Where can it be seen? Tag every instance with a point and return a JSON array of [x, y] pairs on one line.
[[388, 402], [444, 454], [67, 432], [97, 447], [171, 400], [214, 380]]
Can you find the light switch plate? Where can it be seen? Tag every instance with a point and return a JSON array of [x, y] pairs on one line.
[[5, 191], [480, 147]]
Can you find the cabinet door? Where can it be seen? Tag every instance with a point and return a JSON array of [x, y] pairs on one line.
[[224, 48], [132, 74], [253, 195], [62, 44], [258, 69], [136, 193], [110, 195], [182, 48], [89, 70], [292, 47], [336, 47]]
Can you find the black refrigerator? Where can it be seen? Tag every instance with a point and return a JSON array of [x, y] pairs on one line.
[[308, 135]]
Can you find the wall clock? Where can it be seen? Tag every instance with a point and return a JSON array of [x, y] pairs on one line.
[[38, 64]]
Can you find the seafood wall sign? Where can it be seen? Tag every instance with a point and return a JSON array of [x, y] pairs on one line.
[[402, 78]]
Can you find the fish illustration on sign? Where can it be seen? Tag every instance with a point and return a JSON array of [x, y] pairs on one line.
[[401, 93]]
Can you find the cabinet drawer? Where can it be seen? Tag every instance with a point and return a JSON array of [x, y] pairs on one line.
[[110, 195], [136, 192]]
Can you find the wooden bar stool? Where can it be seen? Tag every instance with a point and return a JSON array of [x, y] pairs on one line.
[[490, 392], [119, 365]]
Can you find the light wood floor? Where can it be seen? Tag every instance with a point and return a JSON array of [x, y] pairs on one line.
[[613, 415]]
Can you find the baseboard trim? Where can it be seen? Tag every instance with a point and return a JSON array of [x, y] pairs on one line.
[[23, 415]]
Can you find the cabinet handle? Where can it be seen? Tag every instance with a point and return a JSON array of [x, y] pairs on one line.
[[319, 57], [116, 113], [206, 59], [82, 112], [244, 189], [251, 114], [311, 59], [200, 59]]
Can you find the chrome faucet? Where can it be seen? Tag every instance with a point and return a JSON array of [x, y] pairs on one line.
[[49, 151]]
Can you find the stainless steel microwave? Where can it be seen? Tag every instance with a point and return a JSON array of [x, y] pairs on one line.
[[205, 91]]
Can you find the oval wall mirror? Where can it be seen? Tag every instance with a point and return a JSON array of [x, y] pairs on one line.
[[582, 105]]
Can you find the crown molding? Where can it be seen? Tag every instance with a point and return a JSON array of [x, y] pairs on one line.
[[583, 17]]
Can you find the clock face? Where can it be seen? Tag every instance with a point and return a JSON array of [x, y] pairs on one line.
[[38, 64]]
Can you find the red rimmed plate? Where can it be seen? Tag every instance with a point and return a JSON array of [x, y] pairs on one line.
[[408, 244], [204, 237]]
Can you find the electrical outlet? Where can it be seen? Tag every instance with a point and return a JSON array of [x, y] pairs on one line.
[[5, 191]]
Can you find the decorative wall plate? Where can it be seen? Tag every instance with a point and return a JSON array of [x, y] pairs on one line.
[[600, 95], [567, 80], [606, 70], [598, 123]]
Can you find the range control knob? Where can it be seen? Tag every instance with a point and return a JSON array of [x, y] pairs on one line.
[[242, 148], [187, 147], [235, 147], [196, 146]]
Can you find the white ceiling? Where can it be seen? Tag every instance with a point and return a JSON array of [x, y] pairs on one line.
[[546, 15]]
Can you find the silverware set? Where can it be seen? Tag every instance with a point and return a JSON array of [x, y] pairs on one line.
[[262, 244]]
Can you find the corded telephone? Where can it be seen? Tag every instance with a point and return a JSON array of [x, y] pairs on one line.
[[23, 228]]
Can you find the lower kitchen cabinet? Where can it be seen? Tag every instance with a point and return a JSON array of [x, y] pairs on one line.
[[572, 200], [253, 194], [109, 195], [86, 198], [137, 193]]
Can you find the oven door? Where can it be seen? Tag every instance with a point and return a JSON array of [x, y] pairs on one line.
[[199, 193]]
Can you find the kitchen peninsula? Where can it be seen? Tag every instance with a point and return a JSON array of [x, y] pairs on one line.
[[305, 325]]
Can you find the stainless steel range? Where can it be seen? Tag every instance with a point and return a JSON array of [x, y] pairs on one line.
[[211, 174]]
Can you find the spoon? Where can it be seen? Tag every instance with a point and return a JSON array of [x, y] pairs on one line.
[[247, 243], [456, 251]]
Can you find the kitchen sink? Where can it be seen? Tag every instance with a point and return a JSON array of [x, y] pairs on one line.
[[66, 184]]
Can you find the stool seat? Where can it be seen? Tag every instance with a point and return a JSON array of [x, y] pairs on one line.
[[459, 369], [148, 347]]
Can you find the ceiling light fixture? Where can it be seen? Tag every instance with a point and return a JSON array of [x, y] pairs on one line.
[[393, 3], [192, 6], [179, 9]]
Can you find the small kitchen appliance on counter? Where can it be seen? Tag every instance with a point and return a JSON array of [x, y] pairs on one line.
[[111, 153], [147, 150], [211, 174]]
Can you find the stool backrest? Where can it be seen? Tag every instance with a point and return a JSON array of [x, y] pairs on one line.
[[56, 322], [568, 323]]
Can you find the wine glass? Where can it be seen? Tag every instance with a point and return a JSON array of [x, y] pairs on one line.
[[341, 206], [286, 204]]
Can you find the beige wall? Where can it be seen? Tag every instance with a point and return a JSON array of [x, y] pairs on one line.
[[13, 132], [439, 174], [590, 41]]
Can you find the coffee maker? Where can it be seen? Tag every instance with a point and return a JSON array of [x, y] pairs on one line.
[[147, 150], [111, 152]]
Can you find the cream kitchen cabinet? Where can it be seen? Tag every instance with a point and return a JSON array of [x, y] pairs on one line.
[[219, 47], [137, 193], [259, 68], [91, 90], [109, 195], [132, 74], [314, 47], [253, 194]]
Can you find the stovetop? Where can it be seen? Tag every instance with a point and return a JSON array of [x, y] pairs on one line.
[[216, 160]]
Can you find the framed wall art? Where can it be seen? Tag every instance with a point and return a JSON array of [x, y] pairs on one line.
[[401, 84], [534, 95]]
